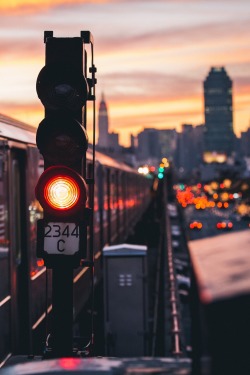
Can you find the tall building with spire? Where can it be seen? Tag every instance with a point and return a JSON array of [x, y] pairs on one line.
[[103, 124], [219, 135], [108, 142]]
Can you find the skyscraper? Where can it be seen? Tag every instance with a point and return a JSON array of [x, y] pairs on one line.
[[219, 135], [245, 143], [167, 142], [148, 145], [103, 124], [186, 150]]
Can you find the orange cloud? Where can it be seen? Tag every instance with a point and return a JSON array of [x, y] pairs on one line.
[[30, 6]]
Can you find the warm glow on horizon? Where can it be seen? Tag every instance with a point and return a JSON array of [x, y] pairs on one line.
[[27, 6], [152, 57], [140, 114]]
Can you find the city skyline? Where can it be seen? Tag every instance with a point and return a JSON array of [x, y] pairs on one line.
[[151, 56]]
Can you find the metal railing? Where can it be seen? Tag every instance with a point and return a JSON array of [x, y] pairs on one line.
[[173, 329]]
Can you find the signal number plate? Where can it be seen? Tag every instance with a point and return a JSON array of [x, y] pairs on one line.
[[61, 238]]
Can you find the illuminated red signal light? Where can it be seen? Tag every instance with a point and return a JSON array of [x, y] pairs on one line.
[[61, 190]]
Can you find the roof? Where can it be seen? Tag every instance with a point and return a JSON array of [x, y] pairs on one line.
[[125, 250], [221, 265], [110, 162], [16, 130]]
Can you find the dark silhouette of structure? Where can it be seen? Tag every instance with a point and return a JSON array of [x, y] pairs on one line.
[[108, 142], [219, 135]]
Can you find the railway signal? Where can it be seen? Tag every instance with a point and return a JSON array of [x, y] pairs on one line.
[[64, 89]]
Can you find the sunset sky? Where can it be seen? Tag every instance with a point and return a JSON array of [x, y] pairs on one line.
[[152, 56]]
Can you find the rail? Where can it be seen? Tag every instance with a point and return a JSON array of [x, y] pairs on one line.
[[173, 330], [157, 297]]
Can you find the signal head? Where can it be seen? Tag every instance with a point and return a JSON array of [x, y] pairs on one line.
[[61, 191], [62, 86], [61, 140]]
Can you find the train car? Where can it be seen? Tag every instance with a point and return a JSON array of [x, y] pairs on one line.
[[120, 197]]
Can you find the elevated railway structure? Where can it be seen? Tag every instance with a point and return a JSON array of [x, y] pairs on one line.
[[198, 303]]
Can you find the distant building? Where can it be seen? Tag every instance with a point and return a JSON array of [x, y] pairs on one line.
[[103, 124], [245, 143], [219, 135], [114, 141], [185, 150], [189, 150], [148, 145], [106, 141], [167, 142], [133, 142], [154, 144], [198, 133]]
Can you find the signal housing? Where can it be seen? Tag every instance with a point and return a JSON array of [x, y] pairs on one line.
[[62, 87]]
